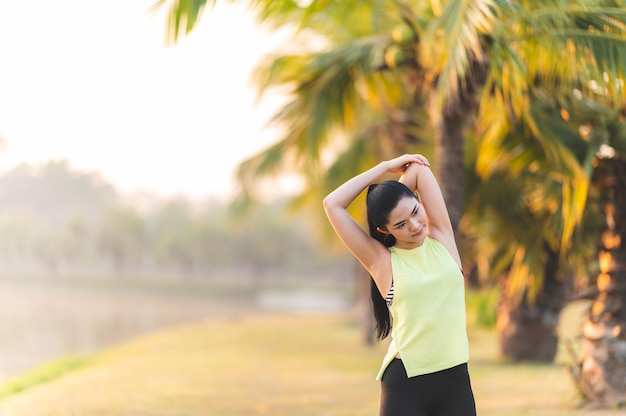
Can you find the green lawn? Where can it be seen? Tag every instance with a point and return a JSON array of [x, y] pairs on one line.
[[273, 365]]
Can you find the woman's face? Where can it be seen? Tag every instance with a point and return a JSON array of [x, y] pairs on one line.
[[407, 223]]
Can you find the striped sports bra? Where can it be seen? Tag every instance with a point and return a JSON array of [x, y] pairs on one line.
[[389, 298]]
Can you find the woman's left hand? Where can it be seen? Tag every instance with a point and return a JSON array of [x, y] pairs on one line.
[[399, 164]]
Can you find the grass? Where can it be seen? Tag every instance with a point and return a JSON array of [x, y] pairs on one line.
[[42, 374], [305, 365]]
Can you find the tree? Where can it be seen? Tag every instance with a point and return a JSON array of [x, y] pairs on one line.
[[512, 60], [600, 372], [121, 236], [173, 236], [52, 210], [594, 134], [521, 202], [54, 193]]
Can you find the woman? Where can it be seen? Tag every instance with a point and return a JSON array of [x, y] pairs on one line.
[[415, 266]]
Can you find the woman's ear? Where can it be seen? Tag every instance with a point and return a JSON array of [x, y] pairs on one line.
[[382, 231]]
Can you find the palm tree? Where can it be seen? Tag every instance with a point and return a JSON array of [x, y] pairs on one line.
[[594, 134], [520, 46], [600, 370], [520, 202]]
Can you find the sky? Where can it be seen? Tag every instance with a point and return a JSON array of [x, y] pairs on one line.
[[95, 83]]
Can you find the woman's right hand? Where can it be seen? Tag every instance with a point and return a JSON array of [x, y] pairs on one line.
[[399, 164]]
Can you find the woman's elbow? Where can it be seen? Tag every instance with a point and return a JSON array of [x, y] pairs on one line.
[[325, 202], [329, 201]]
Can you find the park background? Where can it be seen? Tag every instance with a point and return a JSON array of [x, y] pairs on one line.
[[133, 278]]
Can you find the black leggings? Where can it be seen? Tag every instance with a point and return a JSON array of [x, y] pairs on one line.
[[444, 393]]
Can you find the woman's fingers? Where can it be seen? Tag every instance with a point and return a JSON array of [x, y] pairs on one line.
[[425, 161], [421, 159]]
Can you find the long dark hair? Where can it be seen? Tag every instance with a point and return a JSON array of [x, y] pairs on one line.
[[381, 199]]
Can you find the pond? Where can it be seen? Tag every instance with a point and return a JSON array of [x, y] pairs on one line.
[[45, 319]]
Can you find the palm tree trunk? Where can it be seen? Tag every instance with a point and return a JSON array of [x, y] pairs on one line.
[[528, 331], [449, 153], [601, 372]]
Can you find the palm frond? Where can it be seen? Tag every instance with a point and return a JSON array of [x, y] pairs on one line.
[[456, 40], [565, 45], [324, 91], [547, 156], [182, 15], [348, 19]]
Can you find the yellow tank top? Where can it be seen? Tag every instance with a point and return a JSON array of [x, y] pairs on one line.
[[429, 324]]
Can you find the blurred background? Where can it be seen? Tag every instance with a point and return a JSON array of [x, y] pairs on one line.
[[164, 162], [118, 152], [118, 159]]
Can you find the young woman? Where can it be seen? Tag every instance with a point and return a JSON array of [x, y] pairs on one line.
[[418, 287]]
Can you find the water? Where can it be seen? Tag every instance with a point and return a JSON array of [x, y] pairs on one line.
[[45, 319], [302, 301]]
